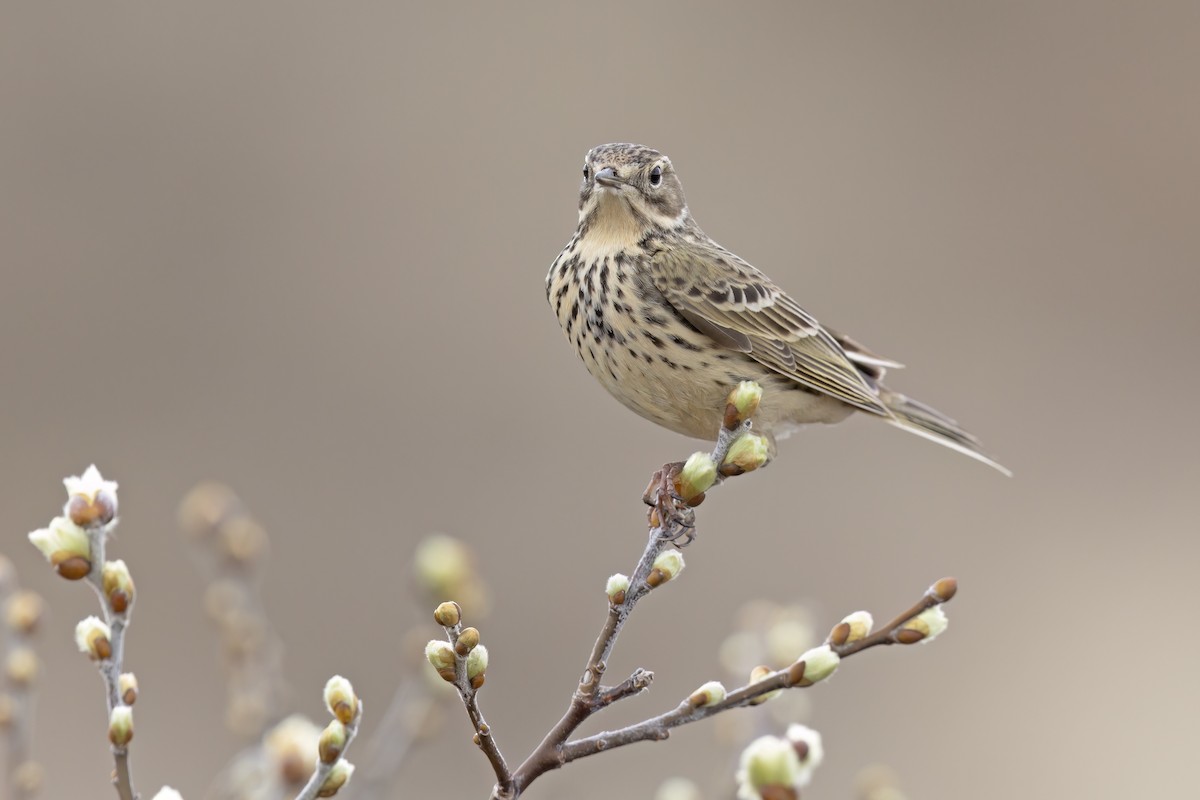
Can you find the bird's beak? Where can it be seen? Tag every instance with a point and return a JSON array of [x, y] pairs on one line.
[[607, 177]]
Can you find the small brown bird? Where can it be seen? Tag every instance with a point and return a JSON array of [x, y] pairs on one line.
[[669, 321]]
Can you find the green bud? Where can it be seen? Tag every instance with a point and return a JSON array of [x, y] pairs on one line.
[[698, 476], [749, 452]]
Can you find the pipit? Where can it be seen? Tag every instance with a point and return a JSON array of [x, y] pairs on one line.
[[669, 321]]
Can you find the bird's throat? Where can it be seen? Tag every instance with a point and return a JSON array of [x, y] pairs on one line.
[[611, 226]]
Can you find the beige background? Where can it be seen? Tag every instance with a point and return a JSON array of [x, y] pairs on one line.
[[300, 247]]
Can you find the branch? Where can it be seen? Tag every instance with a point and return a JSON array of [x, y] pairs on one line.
[[671, 518], [22, 613], [74, 544], [463, 662], [904, 629], [110, 668], [333, 770]]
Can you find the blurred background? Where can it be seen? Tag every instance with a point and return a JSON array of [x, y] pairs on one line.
[[300, 248]]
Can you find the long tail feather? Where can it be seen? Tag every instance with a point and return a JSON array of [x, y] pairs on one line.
[[932, 424]]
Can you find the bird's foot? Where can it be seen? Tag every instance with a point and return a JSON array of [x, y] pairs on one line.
[[669, 511]]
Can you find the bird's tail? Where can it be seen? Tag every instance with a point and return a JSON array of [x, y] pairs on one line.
[[932, 424]]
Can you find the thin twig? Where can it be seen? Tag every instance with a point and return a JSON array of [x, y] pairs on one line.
[[483, 732], [110, 668], [589, 696], [659, 727], [321, 773]]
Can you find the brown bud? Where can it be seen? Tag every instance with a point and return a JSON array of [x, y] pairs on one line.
[[24, 612], [656, 578], [73, 568], [779, 793], [448, 614], [119, 601], [617, 597], [87, 513], [909, 635], [801, 748], [731, 419], [839, 634], [332, 742], [468, 639], [795, 673], [477, 681], [128, 686], [944, 590]]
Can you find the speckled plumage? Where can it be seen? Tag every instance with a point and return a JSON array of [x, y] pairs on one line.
[[669, 321]]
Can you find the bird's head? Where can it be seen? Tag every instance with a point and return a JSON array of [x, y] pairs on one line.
[[631, 184]]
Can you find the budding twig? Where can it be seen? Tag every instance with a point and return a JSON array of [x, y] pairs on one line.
[[659, 727], [22, 611], [470, 665], [332, 769], [110, 668]]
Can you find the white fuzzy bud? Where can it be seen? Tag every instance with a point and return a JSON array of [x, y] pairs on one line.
[[708, 694], [809, 749], [768, 761], [819, 664]]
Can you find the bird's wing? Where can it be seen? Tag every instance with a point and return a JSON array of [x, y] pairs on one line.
[[741, 309]]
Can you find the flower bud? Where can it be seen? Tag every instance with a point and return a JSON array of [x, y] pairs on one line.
[[91, 500], [678, 789], [477, 663], [468, 640], [447, 614], [65, 545], [761, 672], [338, 777], [127, 687], [819, 664], [441, 657], [809, 749], [21, 666], [120, 726], [289, 747], [23, 612], [442, 563], [616, 588], [709, 694], [944, 590], [768, 763], [118, 586], [28, 778], [341, 700], [167, 793], [742, 403], [925, 627], [92, 638], [243, 539], [854, 627], [668, 565], [698, 475], [332, 742], [747, 454]]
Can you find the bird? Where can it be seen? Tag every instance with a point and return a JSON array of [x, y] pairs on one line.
[[669, 321]]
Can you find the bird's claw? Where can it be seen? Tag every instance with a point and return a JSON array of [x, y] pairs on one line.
[[670, 512]]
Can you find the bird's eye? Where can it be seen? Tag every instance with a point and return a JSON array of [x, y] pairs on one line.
[[586, 172], [656, 176]]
